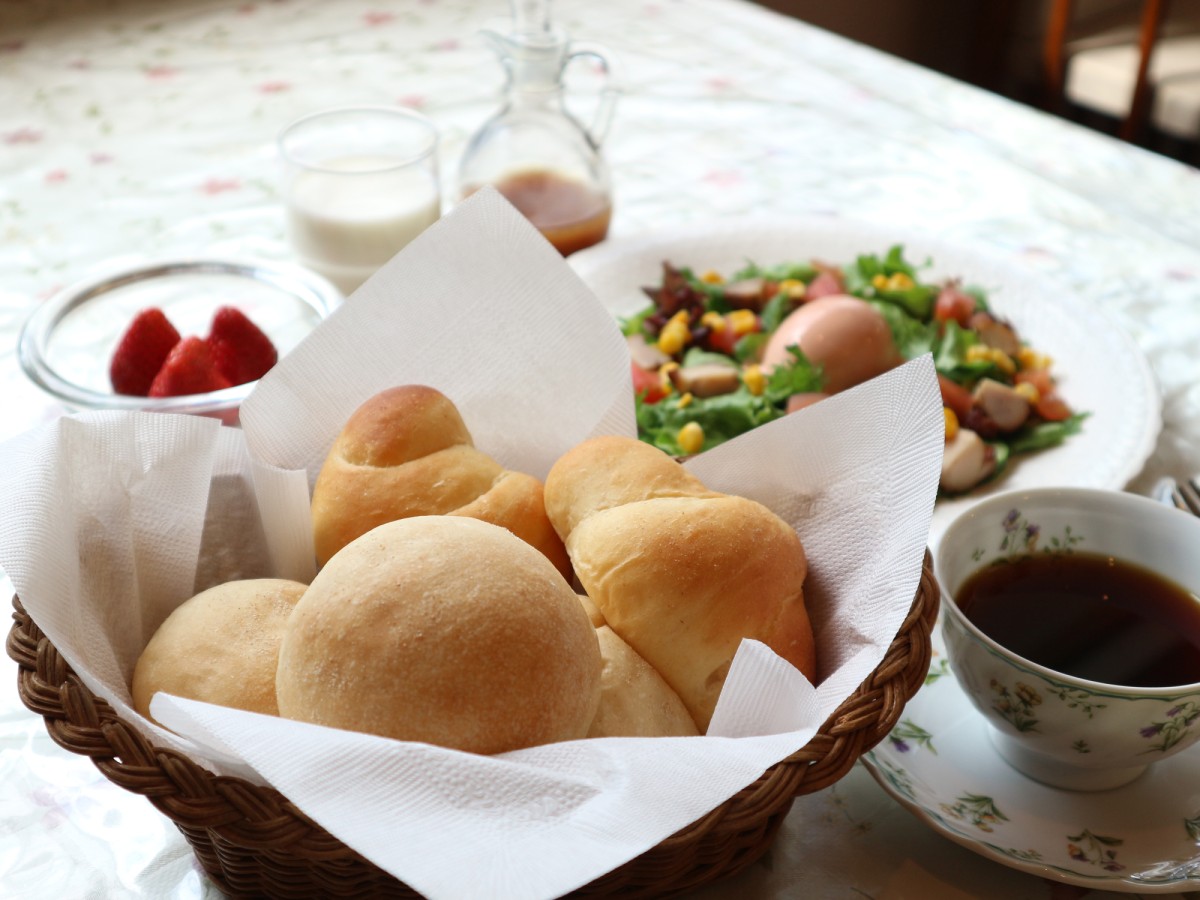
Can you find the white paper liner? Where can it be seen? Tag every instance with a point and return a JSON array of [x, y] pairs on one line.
[[112, 520]]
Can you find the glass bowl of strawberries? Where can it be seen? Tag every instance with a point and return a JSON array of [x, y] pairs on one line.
[[184, 336]]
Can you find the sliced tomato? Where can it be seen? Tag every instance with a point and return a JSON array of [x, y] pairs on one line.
[[1039, 378], [953, 304], [647, 384], [954, 396], [723, 341], [1052, 408]]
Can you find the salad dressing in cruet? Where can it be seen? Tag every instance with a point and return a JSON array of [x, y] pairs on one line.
[[539, 156]]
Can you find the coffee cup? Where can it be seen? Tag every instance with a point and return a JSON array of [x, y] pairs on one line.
[[1072, 623]]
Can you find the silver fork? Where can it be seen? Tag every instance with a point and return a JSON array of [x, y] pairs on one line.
[[1184, 495]]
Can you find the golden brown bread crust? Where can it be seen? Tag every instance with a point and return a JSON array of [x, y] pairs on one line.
[[220, 646], [406, 452], [610, 471], [446, 630], [635, 701], [683, 575], [593, 611], [402, 424], [515, 501]]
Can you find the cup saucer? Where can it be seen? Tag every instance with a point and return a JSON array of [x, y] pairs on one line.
[[940, 763]]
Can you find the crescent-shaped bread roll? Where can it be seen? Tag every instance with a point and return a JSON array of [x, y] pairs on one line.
[[445, 630], [610, 471], [407, 452], [679, 572], [635, 701]]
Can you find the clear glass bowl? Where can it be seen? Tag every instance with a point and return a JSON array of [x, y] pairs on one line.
[[66, 345]]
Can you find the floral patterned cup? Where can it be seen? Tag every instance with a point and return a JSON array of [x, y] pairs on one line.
[[1058, 729]]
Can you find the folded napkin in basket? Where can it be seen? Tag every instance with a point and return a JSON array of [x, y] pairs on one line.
[[114, 519]]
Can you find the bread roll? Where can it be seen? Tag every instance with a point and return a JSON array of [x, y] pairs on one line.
[[406, 452], [634, 699], [593, 611], [220, 646], [679, 572], [610, 471], [446, 630]]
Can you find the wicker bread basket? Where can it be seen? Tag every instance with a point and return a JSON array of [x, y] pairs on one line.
[[254, 843]]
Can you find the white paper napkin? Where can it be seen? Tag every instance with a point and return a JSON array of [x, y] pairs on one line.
[[108, 528]]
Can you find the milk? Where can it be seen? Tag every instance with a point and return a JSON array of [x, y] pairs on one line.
[[352, 214]]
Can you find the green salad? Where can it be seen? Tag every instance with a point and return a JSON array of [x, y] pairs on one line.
[[717, 354]]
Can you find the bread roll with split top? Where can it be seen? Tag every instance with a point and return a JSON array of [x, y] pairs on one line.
[[221, 646], [445, 630], [681, 573], [407, 452]]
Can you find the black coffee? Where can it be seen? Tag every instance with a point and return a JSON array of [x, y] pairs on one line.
[[1090, 616]]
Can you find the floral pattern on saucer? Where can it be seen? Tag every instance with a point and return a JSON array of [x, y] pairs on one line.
[[939, 763]]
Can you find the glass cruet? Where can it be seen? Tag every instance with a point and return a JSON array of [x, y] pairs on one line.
[[533, 150]]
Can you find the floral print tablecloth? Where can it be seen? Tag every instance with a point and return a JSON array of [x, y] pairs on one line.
[[132, 129]]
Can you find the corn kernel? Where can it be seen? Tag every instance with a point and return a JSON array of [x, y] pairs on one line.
[[899, 282], [743, 321], [951, 422], [978, 353], [1029, 392], [1003, 361], [793, 288], [755, 380], [691, 438], [664, 375], [685, 400], [1031, 359], [713, 321], [879, 282], [675, 335], [712, 277]]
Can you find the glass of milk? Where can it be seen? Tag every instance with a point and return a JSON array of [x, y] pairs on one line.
[[359, 183]]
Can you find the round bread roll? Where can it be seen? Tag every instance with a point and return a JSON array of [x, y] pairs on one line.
[[634, 699], [221, 646], [446, 630], [406, 452]]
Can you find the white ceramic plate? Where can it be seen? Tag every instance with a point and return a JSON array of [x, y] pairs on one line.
[[1099, 367], [940, 763]]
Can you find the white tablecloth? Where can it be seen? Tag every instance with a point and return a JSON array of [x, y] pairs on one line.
[[134, 129]]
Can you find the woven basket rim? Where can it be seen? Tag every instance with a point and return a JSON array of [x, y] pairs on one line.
[[251, 839]]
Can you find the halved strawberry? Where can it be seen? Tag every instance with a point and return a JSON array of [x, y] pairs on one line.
[[241, 351], [188, 369], [141, 352]]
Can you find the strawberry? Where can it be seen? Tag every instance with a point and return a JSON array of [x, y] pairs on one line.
[[141, 352], [241, 352], [188, 369]]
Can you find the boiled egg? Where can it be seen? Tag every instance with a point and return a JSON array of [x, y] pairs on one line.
[[847, 337]]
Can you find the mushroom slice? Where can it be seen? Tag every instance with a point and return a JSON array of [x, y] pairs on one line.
[[706, 379], [644, 355], [749, 293], [995, 333], [967, 460], [1001, 404]]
